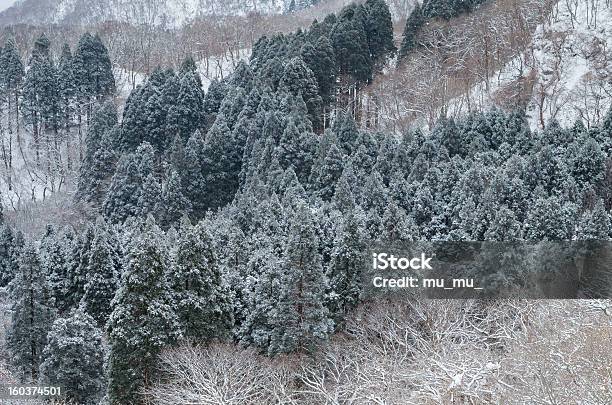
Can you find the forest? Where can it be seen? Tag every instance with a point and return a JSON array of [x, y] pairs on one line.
[[235, 220]]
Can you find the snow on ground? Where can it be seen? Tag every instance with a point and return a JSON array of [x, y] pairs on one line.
[[219, 67], [170, 13], [570, 63]]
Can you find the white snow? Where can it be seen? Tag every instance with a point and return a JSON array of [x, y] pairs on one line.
[[219, 67], [570, 58]]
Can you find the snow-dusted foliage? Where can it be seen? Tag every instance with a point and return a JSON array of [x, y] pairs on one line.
[[215, 232], [74, 357]]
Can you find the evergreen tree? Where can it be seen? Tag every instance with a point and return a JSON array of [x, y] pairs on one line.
[[73, 359], [329, 173], [31, 317], [347, 133], [296, 149], [347, 264], [78, 264], [504, 227], [550, 219], [193, 185], [185, 114], [93, 69], [351, 45], [100, 284], [588, 164], [321, 59], [379, 31], [40, 101], [9, 254], [173, 204], [298, 80], [122, 199], [221, 165], [594, 224], [212, 102], [149, 197], [189, 66], [55, 250], [142, 321], [67, 90], [301, 319], [413, 24], [94, 170], [202, 300]]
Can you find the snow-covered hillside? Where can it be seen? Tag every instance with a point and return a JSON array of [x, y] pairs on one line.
[[171, 13], [567, 68]]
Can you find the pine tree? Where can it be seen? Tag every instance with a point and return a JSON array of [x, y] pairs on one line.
[[74, 357], [40, 102], [347, 264], [94, 171], [149, 197], [78, 264], [173, 204], [594, 224], [588, 164], [379, 31], [9, 254], [296, 149], [11, 83], [413, 24], [344, 198], [301, 319], [202, 300], [32, 315], [329, 173], [67, 93], [504, 227], [142, 321], [321, 59], [55, 250], [212, 102], [124, 192], [93, 68], [351, 45], [189, 66], [100, 284], [346, 132], [221, 165], [550, 219], [298, 80], [185, 115]]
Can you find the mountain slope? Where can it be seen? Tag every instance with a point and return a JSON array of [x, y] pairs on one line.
[[170, 13]]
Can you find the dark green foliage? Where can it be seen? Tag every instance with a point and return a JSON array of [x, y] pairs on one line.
[[185, 114], [101, 282], [74, 357], [350, 44], [301, 320], [32, 315], [202, 299], [221, 165], [173, 204], [99, 155], [9, 254], [413, 24], [328, 173], [142, 321], [212, 101], [299, 80], [321, 59], [379, 31], [92, 68]]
